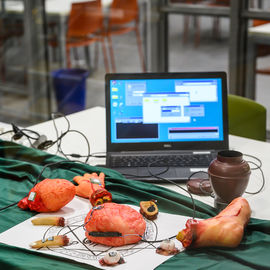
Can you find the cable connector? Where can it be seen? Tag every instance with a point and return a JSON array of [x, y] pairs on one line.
[[17, 132], [42, 139], [45, 145]]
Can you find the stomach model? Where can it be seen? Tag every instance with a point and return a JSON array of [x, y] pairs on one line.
[[114, 224]]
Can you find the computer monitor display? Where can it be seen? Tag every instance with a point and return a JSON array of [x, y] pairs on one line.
[[166, 110]]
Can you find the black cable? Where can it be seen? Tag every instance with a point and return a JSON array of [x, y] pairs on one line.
[[74, 155], [20, 132], [257, 167], [58, 141], [257, 159], [6, 132], [263, 180], [87, 142], [49, 143], [143, 176], [23, 130], [10, 205], [157, 241], [56, 130], [172, 182]]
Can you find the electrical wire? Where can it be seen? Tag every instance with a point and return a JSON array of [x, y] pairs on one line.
[[263, 180], [143, 176], [59, 139], [172, 182], [257, 167], [6, 132], [257, 159], [23, 132]]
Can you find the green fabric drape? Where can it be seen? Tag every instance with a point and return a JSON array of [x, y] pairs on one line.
[[20, 167]]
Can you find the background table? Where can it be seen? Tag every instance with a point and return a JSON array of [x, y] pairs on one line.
[[91, 122], [256, 35]]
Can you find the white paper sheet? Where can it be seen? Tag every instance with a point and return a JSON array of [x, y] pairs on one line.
[[137, 256]]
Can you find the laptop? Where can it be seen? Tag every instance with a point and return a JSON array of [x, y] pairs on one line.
[[165, 126]]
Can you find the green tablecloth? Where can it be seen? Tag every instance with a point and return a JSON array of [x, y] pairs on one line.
[[20, 167]]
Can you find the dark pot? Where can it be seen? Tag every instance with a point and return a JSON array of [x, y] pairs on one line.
[[229, 176]]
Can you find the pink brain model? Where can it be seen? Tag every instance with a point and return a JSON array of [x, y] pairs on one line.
[[117, 218]]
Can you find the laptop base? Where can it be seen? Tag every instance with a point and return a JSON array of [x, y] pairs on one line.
[[163, 174]]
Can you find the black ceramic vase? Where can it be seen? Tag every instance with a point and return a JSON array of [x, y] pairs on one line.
[[229, 176]]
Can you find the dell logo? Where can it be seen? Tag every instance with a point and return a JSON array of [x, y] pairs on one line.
[[167, 145]]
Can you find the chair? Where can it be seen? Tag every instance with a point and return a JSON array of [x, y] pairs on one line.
[[121, 14], [216, 22], [187, 19], [85, 26], [247, 118]]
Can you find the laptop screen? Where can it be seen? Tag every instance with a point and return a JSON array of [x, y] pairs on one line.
[[166, 108]]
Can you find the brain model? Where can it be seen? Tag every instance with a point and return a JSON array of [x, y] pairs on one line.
[[113, 224], [49, 195]]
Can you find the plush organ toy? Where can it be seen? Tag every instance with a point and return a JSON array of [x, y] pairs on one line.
[[224, 230], [92, 186], [114, 224], [49, 195]]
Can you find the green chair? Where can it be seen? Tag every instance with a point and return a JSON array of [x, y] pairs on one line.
[[247, 118]]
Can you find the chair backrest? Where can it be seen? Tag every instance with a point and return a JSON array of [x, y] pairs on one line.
[[223, 3], [247, 118], [85, 18], [259, 22], [123, 12]]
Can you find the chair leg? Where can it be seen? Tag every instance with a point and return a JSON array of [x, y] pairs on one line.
[[265, 71], [140, 48], [87, 56], [216, 27], [111, 53], [2, 62], [68, 57], [185, 30], [75, 53], [96, 55], [197, 31], [106, 63]]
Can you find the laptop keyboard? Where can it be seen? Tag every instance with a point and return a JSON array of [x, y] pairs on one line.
[[189, 160]]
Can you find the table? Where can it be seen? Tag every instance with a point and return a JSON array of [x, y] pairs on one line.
[[256, 35], [91, 122], [21, 163]]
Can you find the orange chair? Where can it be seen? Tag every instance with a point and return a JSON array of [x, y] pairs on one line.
[[121, 14], [216, 23], [262, 49], [85, 26]]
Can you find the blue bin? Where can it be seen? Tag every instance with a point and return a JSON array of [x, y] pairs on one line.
[[70, 89]]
